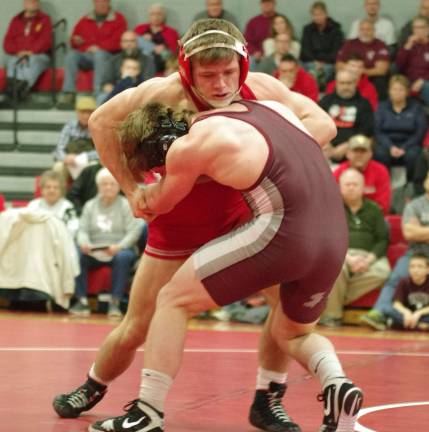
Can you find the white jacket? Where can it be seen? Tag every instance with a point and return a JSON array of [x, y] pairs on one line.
[[37, 252]]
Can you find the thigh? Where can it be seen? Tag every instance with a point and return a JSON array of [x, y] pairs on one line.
[[151, 275]]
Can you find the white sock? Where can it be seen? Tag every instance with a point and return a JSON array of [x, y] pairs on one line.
[[84, 301], [265, 376], [154, 388], [326, 366], [94, 376]]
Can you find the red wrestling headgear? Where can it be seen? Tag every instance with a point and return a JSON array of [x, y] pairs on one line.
[[236, 45]]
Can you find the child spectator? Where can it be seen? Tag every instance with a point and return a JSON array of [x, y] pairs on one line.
[[410, 309]]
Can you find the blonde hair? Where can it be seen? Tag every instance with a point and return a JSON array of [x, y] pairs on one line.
[[399, 79], [51, 175]]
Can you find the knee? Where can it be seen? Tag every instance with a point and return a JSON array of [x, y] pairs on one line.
[[124, 257], [291, 330]]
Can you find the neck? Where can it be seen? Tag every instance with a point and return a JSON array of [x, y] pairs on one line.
[[354, 205], [107, 200], [30, 14], [399, 104]]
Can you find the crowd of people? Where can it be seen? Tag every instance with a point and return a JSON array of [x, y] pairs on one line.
[[371, 83]]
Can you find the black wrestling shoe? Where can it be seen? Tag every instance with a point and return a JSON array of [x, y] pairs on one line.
[[342, 403], [139, 417], [70, 405], [267, 412]]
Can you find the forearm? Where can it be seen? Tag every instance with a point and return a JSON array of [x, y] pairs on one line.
[[400, 307], [418, 233]]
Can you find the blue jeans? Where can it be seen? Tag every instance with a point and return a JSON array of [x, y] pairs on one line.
[[424, 92], [29, 71], [398, 318], [100, 61], [121, 265], [384, 301]]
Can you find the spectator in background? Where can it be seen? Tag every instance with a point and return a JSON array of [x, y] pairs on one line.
[[214, 9], [400, 126], [28, 34], [258, 29], [270, 64], [171, 66], [84, 187], [407, 30], [320, 43], [130, 77], [75, 148], [356, 66], [52, 200], [351, 113], [107, 233], [281, 24], [376, 177], [412, 59], [95, 39], [374, 53], [297, 79], [366, 266], [415, 228], [384, 27], [410, 308], [129, 49], [157, 38]]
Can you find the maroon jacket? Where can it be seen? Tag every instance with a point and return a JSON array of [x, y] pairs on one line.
[[106, 36], [28, 34], [169, 35], [414, 63]]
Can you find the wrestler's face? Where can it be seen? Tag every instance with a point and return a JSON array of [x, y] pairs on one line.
[[217, 83]]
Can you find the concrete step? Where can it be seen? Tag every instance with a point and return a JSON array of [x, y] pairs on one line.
[[17, 187], [30, 137], [21, 163], [52, 116]]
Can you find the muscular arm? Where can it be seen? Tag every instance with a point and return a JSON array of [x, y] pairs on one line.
[[317, 122]]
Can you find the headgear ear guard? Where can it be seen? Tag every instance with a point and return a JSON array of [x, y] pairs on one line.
[[185, 63], [157, 145]]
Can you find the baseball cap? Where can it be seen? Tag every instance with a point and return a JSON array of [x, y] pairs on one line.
[[360, 141], [85, 103]]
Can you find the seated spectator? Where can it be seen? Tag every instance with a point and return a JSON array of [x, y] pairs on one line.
[[377, 181], [270, 64], [400, 126], [215, 10], [28, 34], [356, 66], [129, 49], [320, 43], [258, 29], [106, 236], [95, 39], [296, 78], [384, 27], [130, 77], [84, 187], [407, 30], [75, 148], [366, 265], [171, 66], [374, 53], [157, 38], [412, 59], [410, 309], [351, 113], [415, 228], [52, 200], [281, 24]]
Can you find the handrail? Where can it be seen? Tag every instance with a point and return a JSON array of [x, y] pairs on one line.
[[15, 101], [62, 22]]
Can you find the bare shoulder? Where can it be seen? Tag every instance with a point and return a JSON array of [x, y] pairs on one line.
[[266, 87]]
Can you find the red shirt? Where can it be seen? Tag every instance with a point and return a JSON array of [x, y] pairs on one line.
[[370, 52], [169, 35], [28, 34], [106, 36], [257, 30], [365, 87], [377, 183], [304, 84]]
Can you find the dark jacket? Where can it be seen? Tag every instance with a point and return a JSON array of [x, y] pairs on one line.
[[321, 45], [405, 129], [351, 116]]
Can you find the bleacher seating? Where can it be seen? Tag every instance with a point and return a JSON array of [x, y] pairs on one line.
[[44, 83]]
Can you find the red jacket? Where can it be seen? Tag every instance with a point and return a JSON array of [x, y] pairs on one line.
[[365, 87], [377, 183], [38, 37], [304, 84], [106, 36], [169, 34]]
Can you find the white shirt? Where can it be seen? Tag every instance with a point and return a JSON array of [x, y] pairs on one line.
[[384, 30]]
